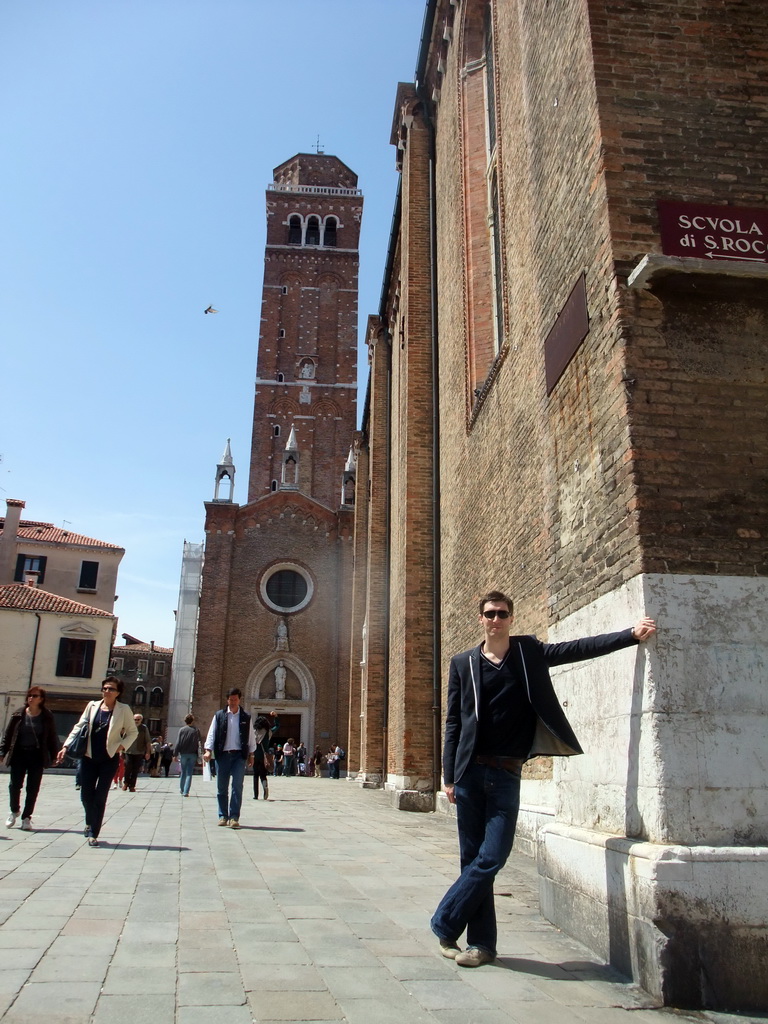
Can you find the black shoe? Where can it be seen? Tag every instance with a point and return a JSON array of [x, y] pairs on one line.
[[87, 831]]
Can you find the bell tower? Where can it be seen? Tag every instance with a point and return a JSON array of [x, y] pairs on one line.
[[276, 582], [306, 375]]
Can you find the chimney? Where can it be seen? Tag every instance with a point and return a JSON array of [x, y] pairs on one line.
[[8, 539], [31, 577]]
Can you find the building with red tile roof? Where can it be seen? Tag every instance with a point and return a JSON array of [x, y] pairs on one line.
[[61, 561], [55, 642]]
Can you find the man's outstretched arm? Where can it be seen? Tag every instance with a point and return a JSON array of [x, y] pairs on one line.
[[594, 646]]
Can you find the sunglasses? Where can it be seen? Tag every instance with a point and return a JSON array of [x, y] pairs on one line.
[[109, 689], [494, 613]]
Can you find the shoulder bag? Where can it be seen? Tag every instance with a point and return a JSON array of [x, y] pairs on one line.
[[79, 744]]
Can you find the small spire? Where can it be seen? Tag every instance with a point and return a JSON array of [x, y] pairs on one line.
[[292, 445], [225, 470], [351, 463], [226, 458]]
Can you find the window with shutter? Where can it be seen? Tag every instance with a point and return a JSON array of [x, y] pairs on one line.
[[30, 563], [75, 658]]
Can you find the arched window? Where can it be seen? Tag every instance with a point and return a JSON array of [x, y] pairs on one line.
[[276, 430], [156, 697], [274, 485], [480, 161], [139, 696], [313, 231], [329, 235], [280, 378], [294, 230]]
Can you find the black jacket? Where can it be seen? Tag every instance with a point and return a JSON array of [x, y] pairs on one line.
[[531, 660], [220, 735], [49, 747]]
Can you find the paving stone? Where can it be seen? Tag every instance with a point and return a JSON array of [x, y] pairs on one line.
[[445, 995], [370, 1011], [202, 1015], [284, 977], [273, 953], [151, 981], [25, 959], [118, 1009], [72, 968], [19, 938], [57, 998], [210, 989], [419, 968], [11, 981], [294, 1006], [139, 955], [199, 958]]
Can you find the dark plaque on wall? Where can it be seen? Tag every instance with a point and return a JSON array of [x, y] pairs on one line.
[[566, 334], [713, 232]]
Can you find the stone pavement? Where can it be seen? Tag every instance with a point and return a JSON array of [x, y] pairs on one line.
[[316, 910]]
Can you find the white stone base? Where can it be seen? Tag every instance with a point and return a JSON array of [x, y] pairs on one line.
[[368, 780], [409, 793], [687, 923]]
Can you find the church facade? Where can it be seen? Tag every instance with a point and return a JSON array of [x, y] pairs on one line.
[[567, 402], [276, 582]]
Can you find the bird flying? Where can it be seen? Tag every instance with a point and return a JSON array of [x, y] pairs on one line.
[[210, 310]]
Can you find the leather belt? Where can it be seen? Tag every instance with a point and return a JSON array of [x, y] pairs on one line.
[[508, 764]]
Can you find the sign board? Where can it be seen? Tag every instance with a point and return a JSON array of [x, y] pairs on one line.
[[566, 334], [713, 232]]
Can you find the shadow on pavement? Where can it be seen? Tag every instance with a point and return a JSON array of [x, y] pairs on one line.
[[552, 971], [268, 828]]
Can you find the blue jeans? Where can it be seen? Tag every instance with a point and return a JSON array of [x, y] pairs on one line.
[[487, 802], [187, 764], [230, 767]]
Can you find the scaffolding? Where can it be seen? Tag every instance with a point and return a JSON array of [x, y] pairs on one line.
[[185, 639]]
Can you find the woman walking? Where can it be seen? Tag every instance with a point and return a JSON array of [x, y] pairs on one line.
[[29, 746], [188, 747], [111, 728]]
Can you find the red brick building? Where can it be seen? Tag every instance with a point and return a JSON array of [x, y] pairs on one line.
[[274, 606], [568, 402]]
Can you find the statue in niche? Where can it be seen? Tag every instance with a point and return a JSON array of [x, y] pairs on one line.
[[280, 681], [307, 369], [281, 637]]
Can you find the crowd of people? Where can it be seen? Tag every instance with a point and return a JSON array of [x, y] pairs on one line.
[[117, 748]]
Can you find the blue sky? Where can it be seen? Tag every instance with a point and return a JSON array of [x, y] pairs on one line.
[[138, 138]]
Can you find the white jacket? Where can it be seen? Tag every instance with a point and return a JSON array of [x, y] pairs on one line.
[[122, 728]]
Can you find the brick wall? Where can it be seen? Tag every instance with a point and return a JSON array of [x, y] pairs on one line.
[[684, 106]]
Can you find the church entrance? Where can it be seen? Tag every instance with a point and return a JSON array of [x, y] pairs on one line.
[[289, 728]]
